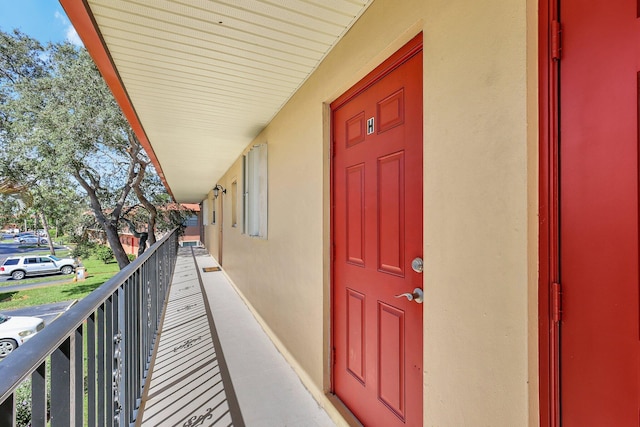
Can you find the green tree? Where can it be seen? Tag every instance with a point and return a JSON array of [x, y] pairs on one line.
[[22, 177], [63, 124], [9, 209]]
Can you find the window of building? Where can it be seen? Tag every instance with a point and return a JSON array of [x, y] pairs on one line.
[[255, 191], [205, 212], [192, 221]]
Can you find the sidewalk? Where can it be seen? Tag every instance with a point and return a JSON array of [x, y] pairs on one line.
[[215, 365]]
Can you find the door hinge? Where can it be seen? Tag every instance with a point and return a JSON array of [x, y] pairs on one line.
[[556, 40], [556, 302]]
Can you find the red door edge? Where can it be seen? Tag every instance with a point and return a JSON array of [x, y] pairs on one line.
[[406, 52], [548, 251]]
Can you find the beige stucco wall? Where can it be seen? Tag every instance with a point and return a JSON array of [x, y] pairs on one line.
[[480, 205]]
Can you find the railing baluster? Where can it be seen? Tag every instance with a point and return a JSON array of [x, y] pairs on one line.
[[108, 358], [135, 339], [119, 349], [8, 412], [102, 383], [61, 385], [91, 370], [129, 292], [119, 322], [145, 309], [77, 364], [39, 396]]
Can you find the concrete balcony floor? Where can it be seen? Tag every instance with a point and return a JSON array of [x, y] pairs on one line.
[[215, 366]]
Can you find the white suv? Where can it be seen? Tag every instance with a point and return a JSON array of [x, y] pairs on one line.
[[16, 330], [19, 267]]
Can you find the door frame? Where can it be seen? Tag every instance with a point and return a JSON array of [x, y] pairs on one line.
[[548, 210], [408, 50]]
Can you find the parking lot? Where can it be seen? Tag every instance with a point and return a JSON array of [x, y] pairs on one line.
[[12, 248], [47, 312]]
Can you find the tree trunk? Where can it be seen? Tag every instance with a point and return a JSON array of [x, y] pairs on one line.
[[153, 212], [114, 242], [35, 228], [109, 226], [152, 229], [45, 225]]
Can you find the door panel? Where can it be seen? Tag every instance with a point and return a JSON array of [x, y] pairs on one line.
[[377, 196], [356, 334], [391, 357], [391, 214], [600, 341], [355, 214]]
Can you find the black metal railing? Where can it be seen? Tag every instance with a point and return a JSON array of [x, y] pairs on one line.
[[98, 352]]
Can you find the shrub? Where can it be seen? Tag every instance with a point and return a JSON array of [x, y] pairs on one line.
[[103, 253], [83, 249], [23, 401], [131, 257], [23, 404]]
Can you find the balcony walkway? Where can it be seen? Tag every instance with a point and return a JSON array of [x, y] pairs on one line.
[[215, 366]]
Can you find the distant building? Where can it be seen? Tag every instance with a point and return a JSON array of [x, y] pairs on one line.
[[130, 243], [193, 232]]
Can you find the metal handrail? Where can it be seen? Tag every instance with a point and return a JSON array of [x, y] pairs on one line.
[[119, 322]]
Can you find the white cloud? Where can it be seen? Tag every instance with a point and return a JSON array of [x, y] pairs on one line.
[[70, 32], [73, 36]]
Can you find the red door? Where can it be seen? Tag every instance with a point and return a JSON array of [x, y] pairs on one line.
[[377, 194], [599, 331]]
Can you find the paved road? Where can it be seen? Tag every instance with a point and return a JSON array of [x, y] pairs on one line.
[[47, 312], [17, 249]]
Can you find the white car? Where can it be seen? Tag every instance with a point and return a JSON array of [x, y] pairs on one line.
[[36, 265], [16, 330], [33, 239], [22, 235]]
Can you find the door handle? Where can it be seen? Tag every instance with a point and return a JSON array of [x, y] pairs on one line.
[[417, 295], [417, 265]]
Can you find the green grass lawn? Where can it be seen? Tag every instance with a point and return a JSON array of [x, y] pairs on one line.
[[39, 279], [97, 273]]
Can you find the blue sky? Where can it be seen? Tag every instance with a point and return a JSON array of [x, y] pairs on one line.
[[44, 20]]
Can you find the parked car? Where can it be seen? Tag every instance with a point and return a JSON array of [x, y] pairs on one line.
[[19, 267], [19, 236], [16, 330], [33, 239]]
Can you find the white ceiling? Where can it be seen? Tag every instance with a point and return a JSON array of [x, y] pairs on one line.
[[206, 76]]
